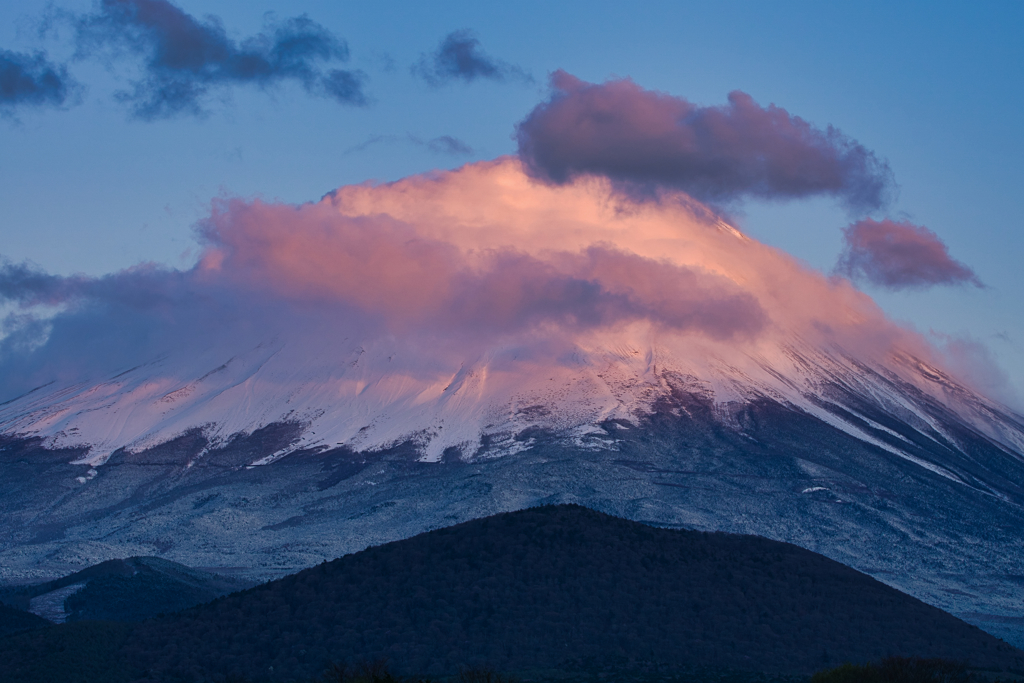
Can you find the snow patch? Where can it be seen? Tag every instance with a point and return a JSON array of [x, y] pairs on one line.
[[50, 606]]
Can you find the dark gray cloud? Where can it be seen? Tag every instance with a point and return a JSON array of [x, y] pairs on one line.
[[643, 140], [143, 286], [27, 285], [900, 255], [184, 58], [460, 58], [30, 79]]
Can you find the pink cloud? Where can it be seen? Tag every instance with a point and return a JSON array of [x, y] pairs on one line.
[[900, 255], [644, 139], [451, 267], [398, 273]]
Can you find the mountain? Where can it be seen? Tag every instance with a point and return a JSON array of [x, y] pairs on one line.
[[550, 589], [132, 589], [400, 357], [916, 484]]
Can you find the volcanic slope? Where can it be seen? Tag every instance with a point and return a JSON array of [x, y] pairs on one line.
[[556, 588], [929, 504]]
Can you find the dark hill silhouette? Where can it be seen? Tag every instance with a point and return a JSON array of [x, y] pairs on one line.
[[557, 588], [14, 620]]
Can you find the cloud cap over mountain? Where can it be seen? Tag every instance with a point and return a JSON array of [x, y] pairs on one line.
[[448, 291], [481, 254], [409, 279], [900, 255], [643, 139]]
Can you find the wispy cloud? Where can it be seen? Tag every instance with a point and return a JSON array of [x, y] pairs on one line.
[[644, 140], [184, 58], [900, 255], [30, 79], [446, 145], [459, 57]]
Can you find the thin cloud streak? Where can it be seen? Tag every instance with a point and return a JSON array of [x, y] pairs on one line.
[[645, 141], [446, 145], [185, 58], [899, 255]]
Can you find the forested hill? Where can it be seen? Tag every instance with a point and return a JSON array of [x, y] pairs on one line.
[[559, 587], [132, 589]]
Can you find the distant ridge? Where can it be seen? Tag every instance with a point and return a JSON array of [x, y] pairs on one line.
[[555, 588], [132, 589]]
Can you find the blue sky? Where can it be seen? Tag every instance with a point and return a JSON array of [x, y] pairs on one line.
[[935, 89]]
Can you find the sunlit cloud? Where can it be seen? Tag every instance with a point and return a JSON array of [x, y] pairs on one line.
[[484, 253], [900, 255]]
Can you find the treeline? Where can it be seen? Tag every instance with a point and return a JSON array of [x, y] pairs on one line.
[[903, 670], [888, 670]]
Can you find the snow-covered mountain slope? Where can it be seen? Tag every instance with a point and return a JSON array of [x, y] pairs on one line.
[[359, 396], [399, 357]]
